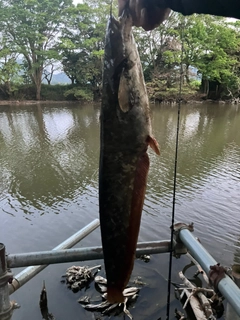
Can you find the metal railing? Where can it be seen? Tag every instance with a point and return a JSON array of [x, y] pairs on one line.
[[37, 261]]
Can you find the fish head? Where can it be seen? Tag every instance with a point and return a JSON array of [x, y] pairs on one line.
[[114, 57], [113, 42]]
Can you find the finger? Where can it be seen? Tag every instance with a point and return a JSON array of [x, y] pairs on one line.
[[121, 6], [136, 7], [151, 18]]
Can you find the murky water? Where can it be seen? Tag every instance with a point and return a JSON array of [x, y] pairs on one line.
[[48, 191]]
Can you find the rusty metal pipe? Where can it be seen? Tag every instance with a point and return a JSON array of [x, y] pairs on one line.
[[6, 306]]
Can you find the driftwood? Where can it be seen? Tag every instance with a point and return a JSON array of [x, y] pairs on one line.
[[200, 269], [195, 305], [199, 302]]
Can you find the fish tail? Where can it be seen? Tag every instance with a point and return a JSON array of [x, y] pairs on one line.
[[115, 295]]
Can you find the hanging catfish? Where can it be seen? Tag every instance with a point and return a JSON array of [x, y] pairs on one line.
[[125, 136]]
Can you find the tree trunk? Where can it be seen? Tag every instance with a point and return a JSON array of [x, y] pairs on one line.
[[38, 82], [38, 91], [187, 74], [8, 88], [205, 86]]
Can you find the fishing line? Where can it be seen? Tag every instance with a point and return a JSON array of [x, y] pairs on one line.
[[111, 5], [175, 173]]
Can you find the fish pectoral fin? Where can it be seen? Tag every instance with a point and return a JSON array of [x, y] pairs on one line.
[[124, 94], [153, 144]]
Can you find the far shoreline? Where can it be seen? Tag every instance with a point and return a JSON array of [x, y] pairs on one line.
[[31, 102], [169, 101]]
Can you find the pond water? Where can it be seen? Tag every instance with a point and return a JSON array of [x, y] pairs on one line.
[[49, 190]]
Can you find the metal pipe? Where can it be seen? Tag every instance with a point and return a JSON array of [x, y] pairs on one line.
[[79, 254], [6, 306], [226, 286], [28, 273], [230, 312]]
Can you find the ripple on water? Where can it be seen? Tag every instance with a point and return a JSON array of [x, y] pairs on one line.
[[49, 159]]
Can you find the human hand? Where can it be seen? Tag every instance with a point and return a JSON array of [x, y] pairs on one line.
[[145, 13]]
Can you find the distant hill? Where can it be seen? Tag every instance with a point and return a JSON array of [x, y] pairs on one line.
[[59, 78]]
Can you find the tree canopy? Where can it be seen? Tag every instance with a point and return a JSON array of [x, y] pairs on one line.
[[39, 36], [34, 26]]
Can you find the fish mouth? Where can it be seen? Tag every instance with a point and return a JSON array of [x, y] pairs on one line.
[[114, 25]]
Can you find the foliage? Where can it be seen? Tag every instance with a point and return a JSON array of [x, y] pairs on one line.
[[160, 50], [216, 42], [80, 93], [195, 84], [209, 44], [82, 44], [34, 26], [45, 35], [158, 91], [9, 69], [55, 92]]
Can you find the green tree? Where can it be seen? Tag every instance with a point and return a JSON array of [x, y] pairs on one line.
[[82, 44], [210, 45], [9, 68], [34, 26], [160, 50], [214, 57], [234, 87]]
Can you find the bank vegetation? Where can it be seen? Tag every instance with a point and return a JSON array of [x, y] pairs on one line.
[[41, 37]]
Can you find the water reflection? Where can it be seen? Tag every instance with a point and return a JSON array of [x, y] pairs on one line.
[[49, 165], [206, 142], [48, 153]]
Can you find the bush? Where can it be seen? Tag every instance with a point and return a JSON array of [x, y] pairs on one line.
[[79, 93], [195, 84], [26, 92], [55, 92]]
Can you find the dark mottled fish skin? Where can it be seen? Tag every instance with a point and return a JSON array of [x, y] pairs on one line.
[[124, 162]]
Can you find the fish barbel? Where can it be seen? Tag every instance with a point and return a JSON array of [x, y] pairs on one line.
[[124, 162]]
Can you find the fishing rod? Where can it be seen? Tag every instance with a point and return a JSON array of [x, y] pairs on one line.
[[175, 169]]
